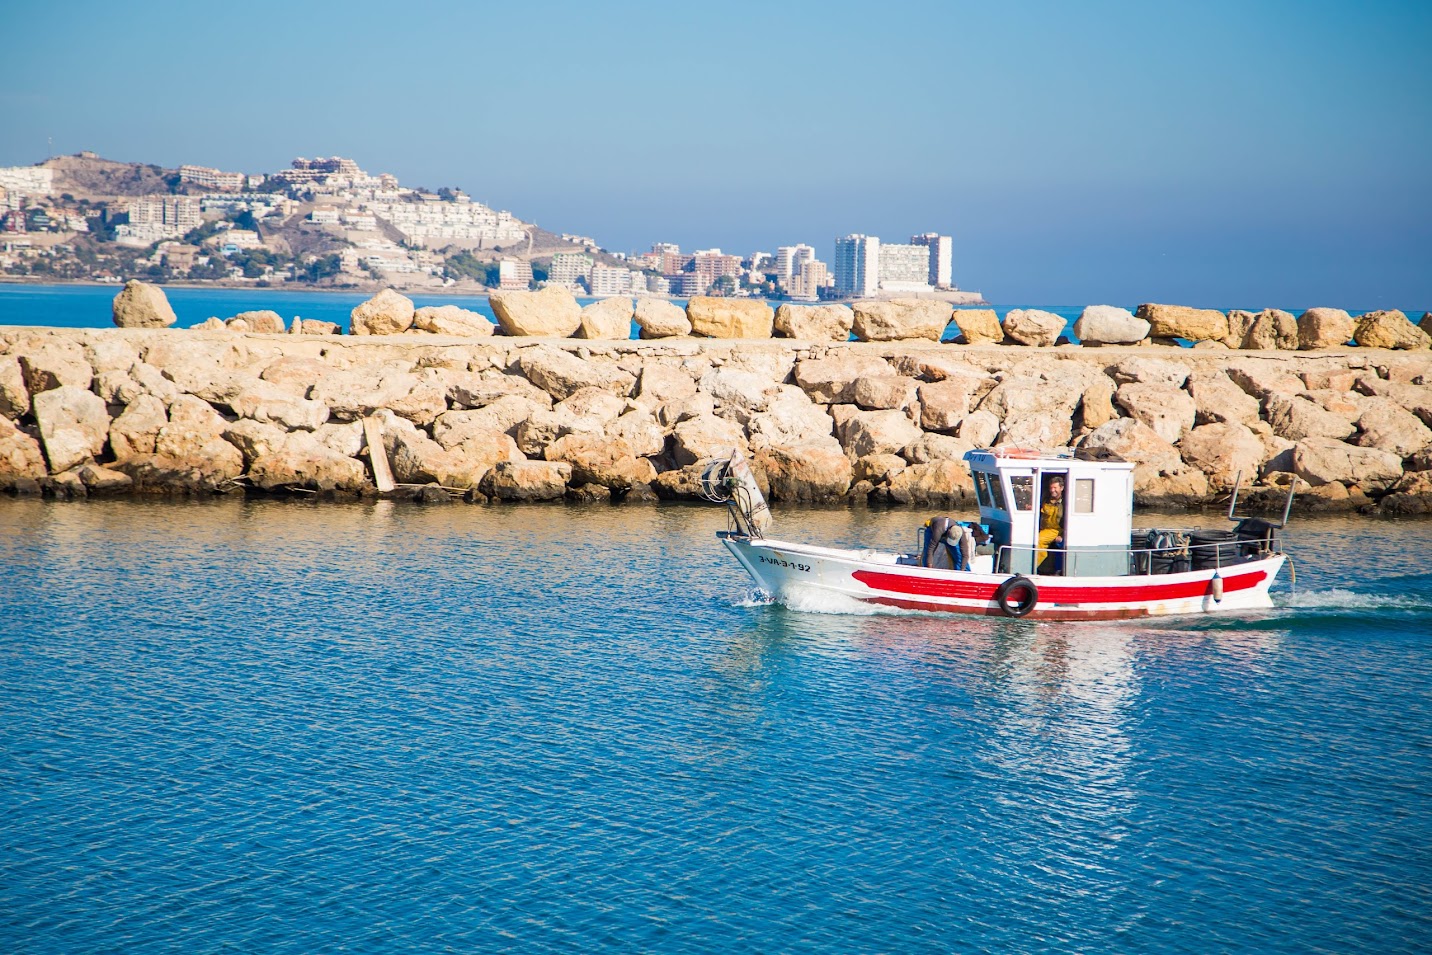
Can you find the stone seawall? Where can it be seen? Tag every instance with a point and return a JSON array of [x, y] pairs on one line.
[[141, 410]]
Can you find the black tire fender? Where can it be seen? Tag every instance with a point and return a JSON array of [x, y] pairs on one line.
[[1019, 608]]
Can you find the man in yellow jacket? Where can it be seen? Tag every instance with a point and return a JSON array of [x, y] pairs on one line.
[[1051, 528]]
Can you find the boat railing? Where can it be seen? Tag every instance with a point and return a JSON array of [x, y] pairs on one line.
[[1171, 558]]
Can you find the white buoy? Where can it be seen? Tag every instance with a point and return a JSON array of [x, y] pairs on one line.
[[1217, 584]]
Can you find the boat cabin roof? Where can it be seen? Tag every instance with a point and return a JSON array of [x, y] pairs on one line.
[[991, 460]]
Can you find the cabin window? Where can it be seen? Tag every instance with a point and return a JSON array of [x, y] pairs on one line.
[[1023, 489], [982, 489], [1083, 495], [996, 491]]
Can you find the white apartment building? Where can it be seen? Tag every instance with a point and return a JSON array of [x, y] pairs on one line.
[[211, 178], [324, 215], [806, 284], [570, 269], [789, 259], [513, 275], [609, 280], [904, 268], [857, 265], [941, 256], [28, 180], [154, 218], [437, 222]]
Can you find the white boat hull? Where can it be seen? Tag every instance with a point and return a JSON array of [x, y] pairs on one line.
[[789, 571]]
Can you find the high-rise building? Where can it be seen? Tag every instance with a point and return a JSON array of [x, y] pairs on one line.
[[789, 259], [904, 268], [857, 265], [940, 246]]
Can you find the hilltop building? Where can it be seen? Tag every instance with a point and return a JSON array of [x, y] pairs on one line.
[[904, 268], [28, 180], [210, 178], [153, 218], [570, 269]]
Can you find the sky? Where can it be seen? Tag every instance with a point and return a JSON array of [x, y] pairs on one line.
[[1225, 153]]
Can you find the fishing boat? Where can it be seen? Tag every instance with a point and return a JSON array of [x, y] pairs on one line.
[[1055, 541]]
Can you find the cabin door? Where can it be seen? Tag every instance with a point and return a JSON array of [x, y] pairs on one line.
[[1052, 513]]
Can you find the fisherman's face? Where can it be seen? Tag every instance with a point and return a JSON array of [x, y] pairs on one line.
[[1056, 489]]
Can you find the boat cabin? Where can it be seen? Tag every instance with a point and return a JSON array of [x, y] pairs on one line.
[[1050, 512]]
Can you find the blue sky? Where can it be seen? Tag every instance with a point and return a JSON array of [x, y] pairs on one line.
[[1263, 152]]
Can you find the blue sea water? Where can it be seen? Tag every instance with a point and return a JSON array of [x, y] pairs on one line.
[[268, 726]]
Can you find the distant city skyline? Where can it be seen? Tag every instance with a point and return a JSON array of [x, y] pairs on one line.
[[1228, 153]]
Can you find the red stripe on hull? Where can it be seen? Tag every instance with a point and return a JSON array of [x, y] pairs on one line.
[[1112, 613], [1052, 594]]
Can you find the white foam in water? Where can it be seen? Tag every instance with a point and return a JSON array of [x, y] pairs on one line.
[[755, 598], [1337, 598]]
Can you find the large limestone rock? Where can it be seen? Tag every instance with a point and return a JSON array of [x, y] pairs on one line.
[[522, 481], [263, 322], [268, 402], [1039, 429], [386, 313], [1410, 495], [609, 318], [877, 432], [74, 425], [1384, 424], [302, 461], [885, 392], [660, 383], [935, 447], [137, 428], [452, 320], [1263, 378], [729, 317], [806, 473], [1181, 321], [1109, 325], [1325, 460], [354, 393], [1096, 405], [1133, 441], [1389, 329], [933, 483], [52, 363], [1239, 322], [1324, 328], [1169, 411], [501, 416], [1296, 418], [193, 442], [20, 459], [1217, 399], [105, 352], [979, 326], [1031, 326], [295, 373], [1415, 398], [832, 380], [946, 403], [1272, 329], [597, 459], [900, 319], [1223, 451], [658, 319], [469, 390], [705, 436], [141, 305], [817, 323], [549, 312], [14, 396], [1178, 486], [1155, 371], [561, 374], [641, 432], [791, 419]]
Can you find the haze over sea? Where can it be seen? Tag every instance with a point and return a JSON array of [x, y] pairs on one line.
[[298, 727]]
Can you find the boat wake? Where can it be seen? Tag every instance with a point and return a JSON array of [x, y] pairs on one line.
[[754, 598], [1338, 599]]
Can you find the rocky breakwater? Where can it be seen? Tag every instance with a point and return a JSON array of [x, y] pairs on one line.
[[516, 417]]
